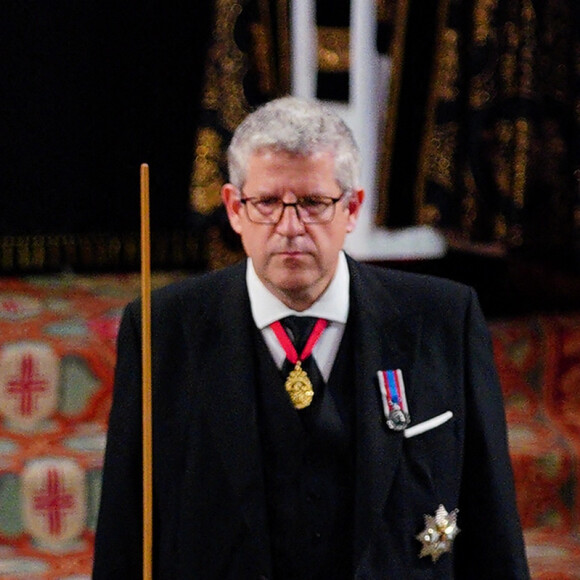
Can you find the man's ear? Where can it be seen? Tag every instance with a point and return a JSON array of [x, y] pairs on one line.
[[354, 204], [233, 205]]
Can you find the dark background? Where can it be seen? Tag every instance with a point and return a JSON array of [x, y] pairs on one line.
[[92, 89]]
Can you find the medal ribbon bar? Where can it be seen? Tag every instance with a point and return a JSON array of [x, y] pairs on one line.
[[394, 399]]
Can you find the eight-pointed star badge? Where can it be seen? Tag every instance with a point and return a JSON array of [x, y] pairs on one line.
[[439, 533]]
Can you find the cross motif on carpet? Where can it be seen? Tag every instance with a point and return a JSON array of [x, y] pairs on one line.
[[54, 501], [27, 385], [10, 305]]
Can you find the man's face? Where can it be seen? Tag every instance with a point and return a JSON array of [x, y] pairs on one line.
[[296, 261]]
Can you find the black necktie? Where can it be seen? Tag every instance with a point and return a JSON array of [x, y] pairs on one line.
[[299, 329]]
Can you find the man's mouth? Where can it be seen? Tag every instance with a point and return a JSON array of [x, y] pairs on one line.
[[292, 253]]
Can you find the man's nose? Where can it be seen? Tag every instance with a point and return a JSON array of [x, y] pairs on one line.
[[290, 223]]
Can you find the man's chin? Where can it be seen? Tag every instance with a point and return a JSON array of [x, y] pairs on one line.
[[292, 280], [295, 281], [296, 287]]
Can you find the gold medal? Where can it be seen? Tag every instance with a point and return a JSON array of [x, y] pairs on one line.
[[299, 387], [298, 384]]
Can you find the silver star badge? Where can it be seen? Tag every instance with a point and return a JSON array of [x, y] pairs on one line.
[[439, 533]]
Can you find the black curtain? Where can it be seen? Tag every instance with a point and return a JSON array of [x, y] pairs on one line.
[[483, 133], [90, 91]]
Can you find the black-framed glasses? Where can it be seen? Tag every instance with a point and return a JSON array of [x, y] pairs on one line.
[[310, 209]]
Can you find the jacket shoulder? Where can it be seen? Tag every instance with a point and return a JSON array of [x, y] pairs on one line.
[[203, 283], [409, 284], [198, 291]]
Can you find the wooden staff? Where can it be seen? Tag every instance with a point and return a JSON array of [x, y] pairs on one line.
[[146, 374]]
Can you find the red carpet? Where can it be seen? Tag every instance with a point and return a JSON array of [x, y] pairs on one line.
[[538, 360]]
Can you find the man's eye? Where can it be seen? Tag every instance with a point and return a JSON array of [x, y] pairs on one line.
[[312, 202], [268, 202]]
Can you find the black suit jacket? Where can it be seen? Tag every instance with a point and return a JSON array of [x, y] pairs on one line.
[[209, 501]]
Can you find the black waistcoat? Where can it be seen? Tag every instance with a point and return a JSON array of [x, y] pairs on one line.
[[308, 460]]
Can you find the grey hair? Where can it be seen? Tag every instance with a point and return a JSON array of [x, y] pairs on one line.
[[297, 126]]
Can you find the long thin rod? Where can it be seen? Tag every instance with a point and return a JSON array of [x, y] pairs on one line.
[[146, 374]]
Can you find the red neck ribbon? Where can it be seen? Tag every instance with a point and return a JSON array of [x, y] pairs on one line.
[[289, 348]]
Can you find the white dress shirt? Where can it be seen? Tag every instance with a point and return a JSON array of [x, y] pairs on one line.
[[333, 305]]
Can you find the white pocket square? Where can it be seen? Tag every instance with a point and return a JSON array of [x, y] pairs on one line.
[[428, 425]]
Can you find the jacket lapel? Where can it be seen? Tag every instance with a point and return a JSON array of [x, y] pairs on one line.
[[384, 341], [225, 368]]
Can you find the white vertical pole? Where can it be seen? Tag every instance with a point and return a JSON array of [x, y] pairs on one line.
[[364, 108], [304, 48]]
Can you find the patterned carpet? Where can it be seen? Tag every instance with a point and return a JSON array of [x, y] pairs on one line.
[[57, 354], [538, 360], [56, 365]]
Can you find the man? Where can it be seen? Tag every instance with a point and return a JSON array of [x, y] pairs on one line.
[[376, 450]]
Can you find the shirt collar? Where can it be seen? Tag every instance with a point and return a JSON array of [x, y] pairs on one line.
[[332, 305]]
